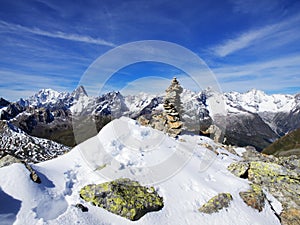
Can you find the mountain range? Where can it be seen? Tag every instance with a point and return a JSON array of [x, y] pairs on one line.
[[253, 118]]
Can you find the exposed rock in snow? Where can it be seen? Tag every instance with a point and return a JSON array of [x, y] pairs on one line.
[[123, 197], [217, 203], [254, 197], [279, 177]]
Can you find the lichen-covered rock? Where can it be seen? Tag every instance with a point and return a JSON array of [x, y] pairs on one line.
[[254, 198], [240, 169], [290, 217], [282, 183], [123, 197], [280, 176], [216, 203]]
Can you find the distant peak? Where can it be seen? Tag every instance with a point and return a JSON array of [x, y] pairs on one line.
[[255, 91], [3, 102], [79, 91], [47, 90]]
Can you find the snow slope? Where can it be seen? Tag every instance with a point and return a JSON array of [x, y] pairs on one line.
[[198, 179]]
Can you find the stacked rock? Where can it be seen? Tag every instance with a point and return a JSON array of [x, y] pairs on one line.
[[172, 108]]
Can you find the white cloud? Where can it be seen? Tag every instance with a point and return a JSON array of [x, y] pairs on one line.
[[276, 74], [242, 41], [272, 35], [58, 34]]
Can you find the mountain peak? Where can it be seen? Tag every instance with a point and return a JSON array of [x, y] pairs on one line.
[[79, 91], [3, 102]]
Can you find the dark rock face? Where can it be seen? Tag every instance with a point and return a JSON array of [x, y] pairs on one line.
[[3, 102], [216, 203], [123, 197], [248, 129], [13, 109], [54, 124], [286, 122]]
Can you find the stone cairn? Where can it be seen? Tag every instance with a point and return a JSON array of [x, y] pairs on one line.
[[172, 109]]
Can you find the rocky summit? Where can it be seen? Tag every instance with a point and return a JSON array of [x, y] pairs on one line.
[[123, 197], [278, 176]]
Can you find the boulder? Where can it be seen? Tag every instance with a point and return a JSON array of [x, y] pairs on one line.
[[239, 169], [216, 203], [123, 197], [254, 197]]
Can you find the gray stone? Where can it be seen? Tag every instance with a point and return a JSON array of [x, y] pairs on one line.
[[216, 203], [123, 197], [8, 160]]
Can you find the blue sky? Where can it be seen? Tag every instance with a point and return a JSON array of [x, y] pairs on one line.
[[246, 43]]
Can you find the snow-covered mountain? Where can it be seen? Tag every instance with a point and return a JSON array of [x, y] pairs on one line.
[[200, 176], [252, 118], [255, 118]]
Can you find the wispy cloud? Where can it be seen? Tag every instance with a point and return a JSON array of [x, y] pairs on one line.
[[10, 27], [15, 85], [276, 74], [271, 35]]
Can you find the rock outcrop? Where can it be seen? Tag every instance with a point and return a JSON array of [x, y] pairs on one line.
[[278, 176], [123, 197], [216, 203]]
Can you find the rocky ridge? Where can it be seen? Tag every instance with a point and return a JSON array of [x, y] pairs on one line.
[[278, 176], [253, 118], [17, 143]]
